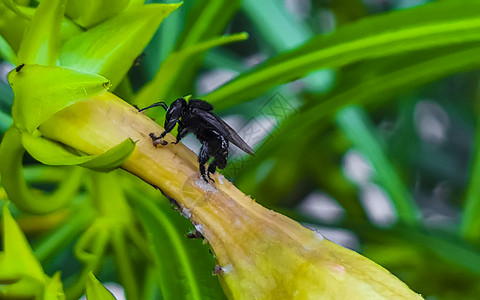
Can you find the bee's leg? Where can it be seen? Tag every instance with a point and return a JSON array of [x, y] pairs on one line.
[[212, 167], [202, 160], [219, 157], [158, 139]]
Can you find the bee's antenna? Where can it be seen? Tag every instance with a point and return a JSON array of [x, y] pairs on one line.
[[161, 103]]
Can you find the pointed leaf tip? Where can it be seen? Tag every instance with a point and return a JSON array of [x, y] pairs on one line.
[[96, 290], [18, 253]]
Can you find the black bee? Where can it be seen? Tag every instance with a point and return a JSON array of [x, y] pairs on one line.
[[197, 117]]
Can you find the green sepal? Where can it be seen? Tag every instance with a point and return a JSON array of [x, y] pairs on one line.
[[53, 153], [113, 158], [41, 42], [87, 13], [41, 91], [129, 32], [96, 290]]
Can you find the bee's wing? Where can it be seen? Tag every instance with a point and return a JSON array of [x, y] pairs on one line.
[[219, 124]]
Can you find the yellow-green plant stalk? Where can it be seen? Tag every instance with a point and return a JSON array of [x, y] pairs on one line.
[[260, 254]]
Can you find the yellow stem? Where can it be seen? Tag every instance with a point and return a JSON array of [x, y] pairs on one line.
[[262, 254]]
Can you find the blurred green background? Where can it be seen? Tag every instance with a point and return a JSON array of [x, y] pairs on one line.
[[379, 154]]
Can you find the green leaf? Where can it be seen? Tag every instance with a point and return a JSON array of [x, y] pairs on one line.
[[52, 153], [54, 288], [90, 12], [283, 33], [41, 42], [171, 69], [6, 52], [110, 48], [276, 25], [5, 122], [184, 267], [18, 256], [96, 290], [429, 26], [470, 225], [369, 82], [13, 6], [205, 21], [41, 91], [357, 127], [21, 275]]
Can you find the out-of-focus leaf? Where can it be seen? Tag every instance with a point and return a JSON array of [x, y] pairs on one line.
[[17, 256], [11, 172], [12, 34], [189, 267], [170, 71], [110, 48], [284, 32], [41, 42], [96, 290], [370, 82], [90, 12], [470, 226], [63, 235], [41, 91], [429, 26], [21, 275], [206, 20], [5, 122], [13, 6], [52, 153], [6, 52], [54, 288], [280, 29], [358, 129]]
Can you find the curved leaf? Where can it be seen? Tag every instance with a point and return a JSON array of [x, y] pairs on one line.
[[11, 172], [41, 91], [40, 44], [110, 48], [433, 25]]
